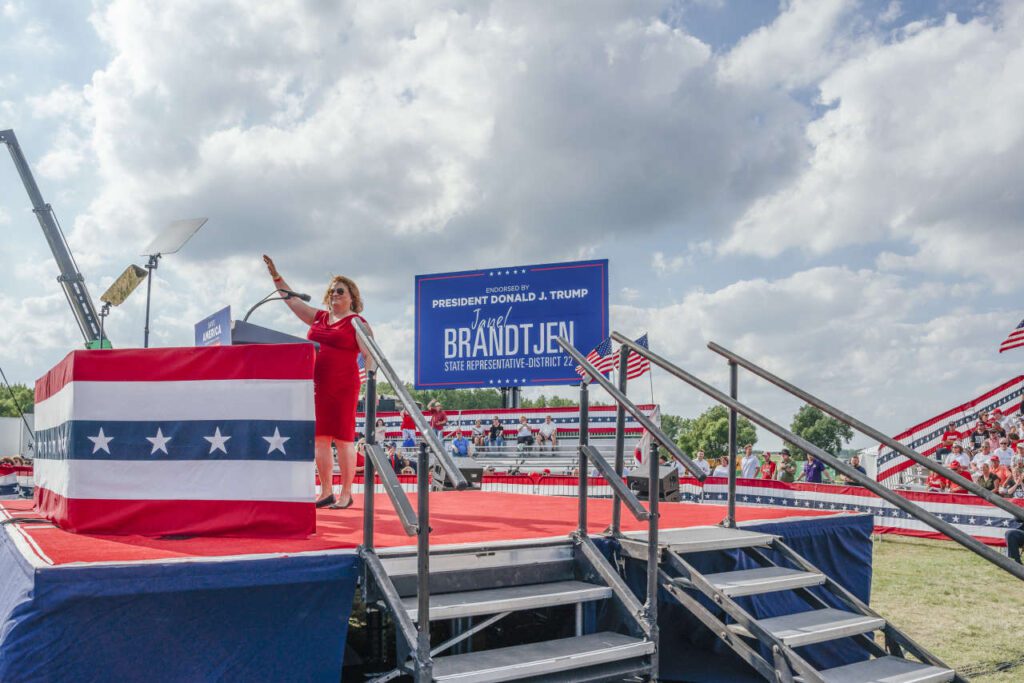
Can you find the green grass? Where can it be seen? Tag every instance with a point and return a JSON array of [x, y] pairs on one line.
[[967, 612]]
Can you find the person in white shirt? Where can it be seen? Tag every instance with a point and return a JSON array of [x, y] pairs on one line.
[[1004, 452], [524, 436], [959, 456], [722, 468], [982, 457], [700, 462], [750, 463], [547, 432], [1018, 456]]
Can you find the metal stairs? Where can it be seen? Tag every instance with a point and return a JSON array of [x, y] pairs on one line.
[[480, 585], [771, 645]]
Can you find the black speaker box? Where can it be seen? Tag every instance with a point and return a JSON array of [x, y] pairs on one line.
[[473, 474], [638, 480]]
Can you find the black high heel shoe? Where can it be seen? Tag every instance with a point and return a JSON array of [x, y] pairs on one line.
[[325, 502]]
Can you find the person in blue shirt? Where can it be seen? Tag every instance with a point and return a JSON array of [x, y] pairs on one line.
[[460, 444]]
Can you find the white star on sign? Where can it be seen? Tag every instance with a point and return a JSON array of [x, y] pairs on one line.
[[159, 441], [101, 442], [217, 442], [276, 442]]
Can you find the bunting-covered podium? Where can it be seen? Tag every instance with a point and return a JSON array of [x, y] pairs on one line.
[[213, 441]]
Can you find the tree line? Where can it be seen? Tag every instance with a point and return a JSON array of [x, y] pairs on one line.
[[709, 432], [24, 396]]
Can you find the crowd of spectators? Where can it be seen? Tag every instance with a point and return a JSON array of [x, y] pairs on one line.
[[990, 452], [764, 466], [478, 438], [14, 461]]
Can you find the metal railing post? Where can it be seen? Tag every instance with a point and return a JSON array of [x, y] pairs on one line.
[[584, 466], [620, 440], [369, 475], [424, 664], [730, 515], [653, 552]]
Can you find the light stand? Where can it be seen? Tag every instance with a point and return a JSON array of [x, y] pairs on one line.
[[104, 312], [169, 241], [154, 260]]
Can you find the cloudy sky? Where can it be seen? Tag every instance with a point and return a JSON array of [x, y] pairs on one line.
[[830, 187]]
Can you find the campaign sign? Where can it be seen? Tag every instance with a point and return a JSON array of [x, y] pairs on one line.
[[215, 330], [498, 326]]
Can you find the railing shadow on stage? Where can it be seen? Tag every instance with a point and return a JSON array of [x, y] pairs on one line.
[[736, 408]]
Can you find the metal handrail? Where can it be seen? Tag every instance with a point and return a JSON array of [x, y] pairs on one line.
[[866, 429], [392, 487], [447, 464], [417, 524], [648, 613], [631, 408], [615, 481], [913, 510]]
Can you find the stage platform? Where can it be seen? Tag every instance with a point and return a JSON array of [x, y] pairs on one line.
[[82, 607]]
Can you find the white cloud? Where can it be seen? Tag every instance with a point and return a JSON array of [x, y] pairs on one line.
[[805, 42], [5, 218], [919, 148], [12, 10], [499, 132], [893, 12], [663, 265]]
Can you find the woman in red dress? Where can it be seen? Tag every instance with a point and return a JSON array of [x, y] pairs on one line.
[[335, 379]]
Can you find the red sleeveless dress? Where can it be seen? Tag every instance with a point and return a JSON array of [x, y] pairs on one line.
[[335, 376]]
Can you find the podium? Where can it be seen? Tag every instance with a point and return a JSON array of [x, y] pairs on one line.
[[243, 332], [195, 441]]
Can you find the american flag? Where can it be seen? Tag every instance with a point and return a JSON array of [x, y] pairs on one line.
[[601, 358], [362, 369], [1014, 339], [636, 365]]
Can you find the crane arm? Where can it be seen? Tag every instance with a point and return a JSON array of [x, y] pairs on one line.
[[70, 278]]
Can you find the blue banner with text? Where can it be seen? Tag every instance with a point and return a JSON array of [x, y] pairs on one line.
[[497, 327], [215, 330]]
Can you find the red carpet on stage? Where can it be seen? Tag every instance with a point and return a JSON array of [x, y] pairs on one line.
[[456, 517]]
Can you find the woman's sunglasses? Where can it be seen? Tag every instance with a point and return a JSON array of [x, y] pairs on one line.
[[340, 291]]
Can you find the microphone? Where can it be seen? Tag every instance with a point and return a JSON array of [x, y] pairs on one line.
[[288, 294]]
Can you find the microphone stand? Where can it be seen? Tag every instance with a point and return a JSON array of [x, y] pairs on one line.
[[268, 298]]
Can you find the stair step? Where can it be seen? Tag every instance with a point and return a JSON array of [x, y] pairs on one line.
[[887, 670], [816, 626], [494, 600], [404, 564], [537, 659], [761, 580], [702, 539]]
